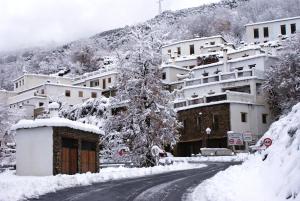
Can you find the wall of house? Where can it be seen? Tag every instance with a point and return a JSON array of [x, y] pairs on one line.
[[274, 30], [185, 46], [90, 82], [171, 73], [34, 151], [33, 80], [254, 123], [193, 134]]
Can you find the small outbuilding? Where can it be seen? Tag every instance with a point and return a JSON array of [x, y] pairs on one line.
[[56, 146]]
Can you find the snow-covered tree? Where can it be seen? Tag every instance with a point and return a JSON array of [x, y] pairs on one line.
[[148, 119], [283, 78]]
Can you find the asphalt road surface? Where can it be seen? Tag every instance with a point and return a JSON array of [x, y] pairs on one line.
[[170, 186]]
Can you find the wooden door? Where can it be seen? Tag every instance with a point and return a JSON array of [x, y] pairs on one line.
[[88, 157], [69, 156]]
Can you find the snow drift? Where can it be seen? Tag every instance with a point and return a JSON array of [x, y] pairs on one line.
[[273, 175]]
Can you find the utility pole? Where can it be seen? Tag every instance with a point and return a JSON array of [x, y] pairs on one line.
[[160, 6]]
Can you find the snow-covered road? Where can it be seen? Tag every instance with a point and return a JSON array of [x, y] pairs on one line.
[[167, 186]]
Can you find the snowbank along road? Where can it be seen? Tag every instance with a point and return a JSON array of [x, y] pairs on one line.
[[167, 186]]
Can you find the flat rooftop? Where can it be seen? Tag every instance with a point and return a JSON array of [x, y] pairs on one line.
[[273, 21]]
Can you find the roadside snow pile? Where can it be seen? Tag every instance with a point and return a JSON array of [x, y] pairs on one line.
[[276, 178], [13, 188], [235, 158]]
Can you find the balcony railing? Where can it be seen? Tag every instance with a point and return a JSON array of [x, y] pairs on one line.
[[224, 76], [226, 96], [98, 72]]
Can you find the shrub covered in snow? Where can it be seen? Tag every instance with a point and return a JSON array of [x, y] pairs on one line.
[[273, 175], [282, 82]]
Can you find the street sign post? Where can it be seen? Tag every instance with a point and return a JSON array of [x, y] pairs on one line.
[[248, 138], [267, 142], [235, 138]]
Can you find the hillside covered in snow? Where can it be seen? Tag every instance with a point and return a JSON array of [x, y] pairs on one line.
[[273, 175], [227, 18]]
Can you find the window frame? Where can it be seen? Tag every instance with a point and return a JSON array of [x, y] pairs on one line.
[[80, 94], [68, 93], [256, 33], [244, 117], [283, 29], [192, 49], [266, 32]]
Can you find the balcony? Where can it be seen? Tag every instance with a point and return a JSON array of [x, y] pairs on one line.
[[226, 96], [223, 77], [93, 74]]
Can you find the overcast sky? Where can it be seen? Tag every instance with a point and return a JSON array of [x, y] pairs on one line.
[[26, 23]]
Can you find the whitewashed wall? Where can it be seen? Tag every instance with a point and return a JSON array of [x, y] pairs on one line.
[[185, 45], [274, 30], [254, 122], [34, 151]]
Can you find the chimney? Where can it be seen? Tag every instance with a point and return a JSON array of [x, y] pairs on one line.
[[225, 59], [53, 109]]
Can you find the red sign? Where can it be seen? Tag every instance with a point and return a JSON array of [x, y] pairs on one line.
[[267, 142]]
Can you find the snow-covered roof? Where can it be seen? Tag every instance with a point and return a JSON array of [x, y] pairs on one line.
[[194, 39], [56, 122], [53, 105], [273, 21]]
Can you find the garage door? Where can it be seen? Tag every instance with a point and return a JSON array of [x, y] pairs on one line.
[[88, 157], [69, 156]]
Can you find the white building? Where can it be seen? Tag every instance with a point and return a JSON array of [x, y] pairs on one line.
[[34, 92], [263, 32], [220, 89]]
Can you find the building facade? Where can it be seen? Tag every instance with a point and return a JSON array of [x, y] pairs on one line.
[[219, 89], [263, 32]]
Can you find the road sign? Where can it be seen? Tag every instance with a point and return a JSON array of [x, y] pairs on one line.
[[247, 137], [235, 138], [267, 142]]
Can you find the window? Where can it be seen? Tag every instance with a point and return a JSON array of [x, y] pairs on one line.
[[109, 80], [192, 49], [42, 91], [164, 76], [266, 32], [252, 66], [67, 93], [22, 82], [264, 118], [94, 95], [41, 104], [256, 33], [293, 28], [16, 85], [169, 52], [103, 84], [283, 30], [212, 43], [178, 51], [80, 93], [215, 122], [244, 117]]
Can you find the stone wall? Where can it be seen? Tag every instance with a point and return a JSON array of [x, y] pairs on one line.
[[196, 120], [64, 132]]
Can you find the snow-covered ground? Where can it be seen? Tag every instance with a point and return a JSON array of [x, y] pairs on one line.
[[13, 188], [235, 158], [276, 178]]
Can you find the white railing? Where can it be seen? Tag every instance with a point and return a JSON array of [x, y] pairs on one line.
[[98, 72], [226, 96], [224, 76]]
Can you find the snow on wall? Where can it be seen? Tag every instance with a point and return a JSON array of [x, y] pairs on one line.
[[276, 178], [56, 122], [34, 151]]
